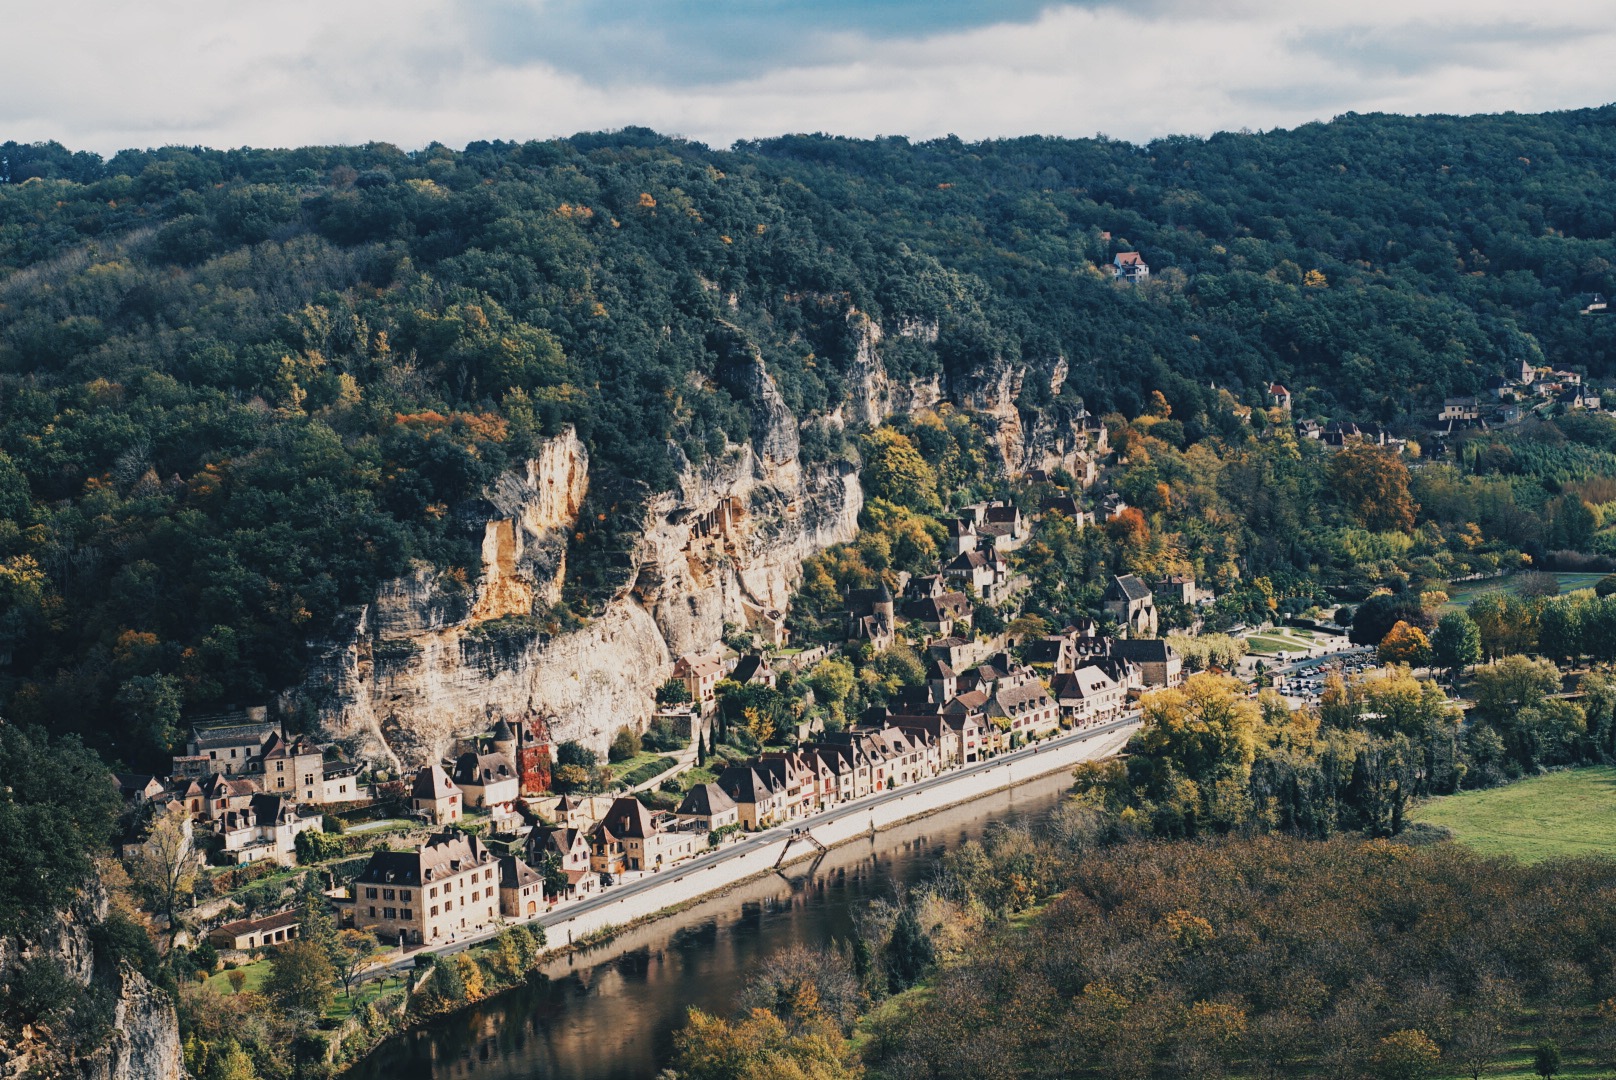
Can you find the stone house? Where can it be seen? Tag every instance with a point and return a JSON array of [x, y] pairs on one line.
[[706, 807], [571, 846], [754, 669], [445, 888], [227, 747], [245, 934], [436, 796], [700, 675], [1026, 707], [1132, 605], [1279, 398], [1159, 665], [486, 780], [293, 768], [871, 616], [266, 829], [943, 615], [644, 840], [755, 796], [521, 889], [1089, 695]]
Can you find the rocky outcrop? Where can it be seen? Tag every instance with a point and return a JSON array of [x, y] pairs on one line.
[[138, 1038], [435, 657]]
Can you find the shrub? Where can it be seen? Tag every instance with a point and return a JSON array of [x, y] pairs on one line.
[[625, 744]]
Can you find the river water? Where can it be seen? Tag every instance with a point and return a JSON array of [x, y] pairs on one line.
[[609, 1013]]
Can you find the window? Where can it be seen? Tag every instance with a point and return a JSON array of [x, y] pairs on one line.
[[434, 911], [488, 875], [280, 781], [232, 753], [390, 913], [448, 905], [373, 911], [308, 778], [370, 894], [407, 915], [475, 894], [434, 892], [280, 766], [387, 894], [404, 895]]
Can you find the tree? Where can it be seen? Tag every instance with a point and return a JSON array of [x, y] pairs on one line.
[[909, 953], [237, 979], [355, 950], [1405, 644], [625, 744], [1481, 1033], [165, 865], [673, 692], [1377, 615], [897, 473], [1373, 483], [1406, 1055], [1456, 644], [573, 752], [300, 977], [1546, 1059], [1559, 633]]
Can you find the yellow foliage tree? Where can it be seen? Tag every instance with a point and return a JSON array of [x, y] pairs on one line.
[[1405, 644]]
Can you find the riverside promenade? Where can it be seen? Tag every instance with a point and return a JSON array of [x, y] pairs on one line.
[[761, 852]]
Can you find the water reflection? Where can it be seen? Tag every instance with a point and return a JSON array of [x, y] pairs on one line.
[[609, 1013]]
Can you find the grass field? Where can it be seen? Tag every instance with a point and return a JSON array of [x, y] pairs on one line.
[[1460, 596], [1281, 639], [1563, 813]]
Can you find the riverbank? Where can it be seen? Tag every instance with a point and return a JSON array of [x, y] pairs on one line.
[[641, 906], [609, 1011]]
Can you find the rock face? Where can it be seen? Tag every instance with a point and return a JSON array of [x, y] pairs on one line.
[[433, 658], [142, 1041]]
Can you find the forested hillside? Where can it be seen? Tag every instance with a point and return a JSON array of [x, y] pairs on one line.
[[238, 388]]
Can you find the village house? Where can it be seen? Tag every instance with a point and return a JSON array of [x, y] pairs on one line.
[[1001, 524], [1458, 410], [1279, 398], [1112, 506], [139, 788], [756, 798], [567, 843], [1578, 398], [754, 670], [486, 780], [700, 675], [220, 795], [941, 615], [521, 889], [1132, 605], [293, 768], [1309, 429], [445, 888], [1129, 266], [247, 934], [1025, 706], [871, 616], [961, 536], [1057, 653], [706, 807], [436, 796], [1089, 695], [1177, 589], [266, 829], [227, 747], [984, 571], [650, 839], [1159, 665], [340, 783]]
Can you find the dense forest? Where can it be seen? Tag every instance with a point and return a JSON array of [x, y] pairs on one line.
[[239, 387]]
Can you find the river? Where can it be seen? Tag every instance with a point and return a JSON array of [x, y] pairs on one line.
[[609, 1013]]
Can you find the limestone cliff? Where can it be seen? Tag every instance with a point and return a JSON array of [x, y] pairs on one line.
[[434, 658], [117, 1025]]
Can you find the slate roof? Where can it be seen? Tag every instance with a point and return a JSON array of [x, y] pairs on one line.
[[514, 873], [1127, 587], [705, 800], [1143, 650], [431, 782], [483, 769]]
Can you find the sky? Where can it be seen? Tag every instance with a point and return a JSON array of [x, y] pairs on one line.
[[101, 76]]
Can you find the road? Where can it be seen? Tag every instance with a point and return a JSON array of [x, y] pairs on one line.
[[615, 893]]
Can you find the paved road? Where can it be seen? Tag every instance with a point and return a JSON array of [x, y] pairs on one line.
[[753, 841]]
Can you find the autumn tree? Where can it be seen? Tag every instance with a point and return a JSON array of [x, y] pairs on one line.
[[1373, 483], [165, 865], [1405, 644], [895, 471], [353, 952]]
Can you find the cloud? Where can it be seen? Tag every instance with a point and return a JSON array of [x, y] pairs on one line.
[[103, 77]]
